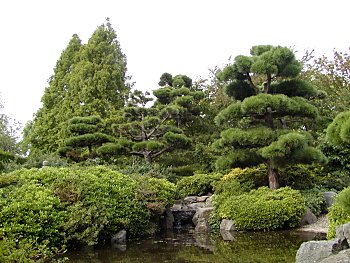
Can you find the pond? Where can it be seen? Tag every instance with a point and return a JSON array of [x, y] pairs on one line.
[[183, 246]]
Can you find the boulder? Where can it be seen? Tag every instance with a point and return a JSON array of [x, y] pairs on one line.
[[227, 225], [119, 238], [307, 218], [196, 205], [315, 251], [226, 235], [190, 199], [203, 212], [202, 226], [329, 198], [343, 233], [209, 201], [341, 257], [202, 198]]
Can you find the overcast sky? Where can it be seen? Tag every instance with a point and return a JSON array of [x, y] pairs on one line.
[[179, 37]]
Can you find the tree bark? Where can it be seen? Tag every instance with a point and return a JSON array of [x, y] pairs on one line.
[[147, 156], [273, 176]]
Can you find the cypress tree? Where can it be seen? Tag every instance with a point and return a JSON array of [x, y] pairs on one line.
[[88, 80]]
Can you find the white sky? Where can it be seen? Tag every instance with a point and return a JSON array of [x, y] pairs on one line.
[[157, 36]]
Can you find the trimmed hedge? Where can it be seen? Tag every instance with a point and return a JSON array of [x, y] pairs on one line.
[[262, 209]]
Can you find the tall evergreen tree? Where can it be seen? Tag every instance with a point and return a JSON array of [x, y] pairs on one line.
[[88, 80], [48, 127], [266, 122]]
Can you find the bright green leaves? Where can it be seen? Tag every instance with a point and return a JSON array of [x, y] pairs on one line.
[[338, 132], [88, 80]]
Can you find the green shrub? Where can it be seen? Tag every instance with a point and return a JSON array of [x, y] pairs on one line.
[[43, 210], [339, 212], [197, 184], [301, 176], [263, 209], [314, 199], [156, 193]]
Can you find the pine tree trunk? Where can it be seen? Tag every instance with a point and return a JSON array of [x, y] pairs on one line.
[[147, 156], [273, 176]]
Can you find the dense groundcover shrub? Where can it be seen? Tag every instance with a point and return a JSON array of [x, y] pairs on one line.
[[261, 209], [339, 212], [197, 184], [42, 211]]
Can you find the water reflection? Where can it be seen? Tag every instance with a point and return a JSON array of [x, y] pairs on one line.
[[183, 246]]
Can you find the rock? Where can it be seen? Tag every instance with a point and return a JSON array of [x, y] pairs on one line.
[[203, 212], [227, 225], [308, 218], [209, 201], [315, 251], [343, 233], [202, 226], [202, 198], [190, 199], [195, 206], [341, 257], [226, 235], [329, 198], [119, 238]]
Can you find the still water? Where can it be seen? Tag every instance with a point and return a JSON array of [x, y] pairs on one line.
[[182, 246]]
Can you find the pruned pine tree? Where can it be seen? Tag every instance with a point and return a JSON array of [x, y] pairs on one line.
[[267, 121], [178, 92], [145, 131], [85, 137]]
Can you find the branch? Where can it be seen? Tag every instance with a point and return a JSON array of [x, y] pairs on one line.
[[157, 126], [161, 151]]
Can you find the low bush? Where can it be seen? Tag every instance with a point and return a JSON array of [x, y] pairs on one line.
[[339, 212], [314, 199], [262, 209], [44, 210], [156, 194], [197, 184]]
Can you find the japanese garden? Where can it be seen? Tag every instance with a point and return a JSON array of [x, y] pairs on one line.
[[257, 143]]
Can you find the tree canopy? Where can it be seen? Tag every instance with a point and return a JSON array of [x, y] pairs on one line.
[[266, 122], [88, 80]]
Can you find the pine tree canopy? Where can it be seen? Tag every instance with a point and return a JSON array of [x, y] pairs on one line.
[[271, 108]]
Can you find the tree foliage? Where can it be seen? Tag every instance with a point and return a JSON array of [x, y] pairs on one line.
[[271, 107], [331, 75], [145, 131], [88, 80], [84, 133]]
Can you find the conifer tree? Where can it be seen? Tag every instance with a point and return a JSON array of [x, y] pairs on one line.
[[85, 135], [88, 80], [143, 131], [47, 129], [266, 122]]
